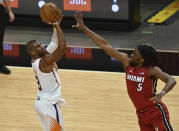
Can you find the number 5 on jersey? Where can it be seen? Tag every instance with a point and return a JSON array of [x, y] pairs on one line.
[[139, 88]]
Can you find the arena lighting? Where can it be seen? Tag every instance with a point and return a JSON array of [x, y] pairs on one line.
[[115, 7], [41, 3], [98, 9]]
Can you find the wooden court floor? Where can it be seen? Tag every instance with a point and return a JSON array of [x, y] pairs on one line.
[[96, 101]]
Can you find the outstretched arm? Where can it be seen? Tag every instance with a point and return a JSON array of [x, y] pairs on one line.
[[157, 73], [49, 59], [99, 41], [53, 45]]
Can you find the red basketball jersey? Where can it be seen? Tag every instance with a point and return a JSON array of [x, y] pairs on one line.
[[140, 87]]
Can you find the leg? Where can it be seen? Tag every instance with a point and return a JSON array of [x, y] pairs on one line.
[[160, 125], [3, 69], [51, 124], [144, 127], [38, 106], [61, 120], [2, 30], [161, 121], [54, 119], [49, 116]]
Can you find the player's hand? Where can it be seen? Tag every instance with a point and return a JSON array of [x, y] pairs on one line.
[[55, 66], [157, 96], [11, 16], [57, 23], [79, 19], [60, 18]]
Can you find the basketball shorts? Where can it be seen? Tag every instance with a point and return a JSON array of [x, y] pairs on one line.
[[154, 118], [50, 115]]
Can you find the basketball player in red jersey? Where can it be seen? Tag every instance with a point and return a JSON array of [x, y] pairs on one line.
[[141, 79]]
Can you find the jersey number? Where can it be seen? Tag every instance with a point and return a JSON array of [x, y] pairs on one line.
[[139, 88], [38, 82]]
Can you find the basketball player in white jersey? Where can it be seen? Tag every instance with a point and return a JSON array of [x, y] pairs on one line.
[[49, 99]]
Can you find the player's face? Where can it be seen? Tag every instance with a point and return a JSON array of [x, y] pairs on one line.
[[39, 50], [136, 58]]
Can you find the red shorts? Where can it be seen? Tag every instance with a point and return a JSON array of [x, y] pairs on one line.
[[154, 118]]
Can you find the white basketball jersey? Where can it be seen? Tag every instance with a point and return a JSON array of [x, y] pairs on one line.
[[49, 84]]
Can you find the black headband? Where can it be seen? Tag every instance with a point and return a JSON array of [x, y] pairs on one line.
[[143, 50], [148, 53]]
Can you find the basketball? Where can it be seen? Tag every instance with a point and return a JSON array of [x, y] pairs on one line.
[[50, 13]]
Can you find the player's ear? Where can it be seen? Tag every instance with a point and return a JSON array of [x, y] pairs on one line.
[[142, 60], [33, 54]]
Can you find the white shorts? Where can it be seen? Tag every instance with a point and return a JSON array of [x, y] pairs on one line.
[[44, 109]]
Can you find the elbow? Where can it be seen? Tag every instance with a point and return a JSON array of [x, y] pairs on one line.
[[103, 44], [62, 46], [65, 47], [173, 81]]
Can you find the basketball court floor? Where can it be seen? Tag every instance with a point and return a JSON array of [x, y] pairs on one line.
[[96, 101]]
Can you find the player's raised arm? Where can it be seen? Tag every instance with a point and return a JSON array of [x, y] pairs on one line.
[[99, 41], [49, 59], [52, 46]]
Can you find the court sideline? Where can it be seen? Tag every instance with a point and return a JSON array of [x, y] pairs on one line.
[[96, 101]]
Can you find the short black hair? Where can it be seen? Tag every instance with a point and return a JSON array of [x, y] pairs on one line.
[[149, 54], [30, 47]]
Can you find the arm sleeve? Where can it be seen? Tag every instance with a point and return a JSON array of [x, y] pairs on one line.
[[54, 42]]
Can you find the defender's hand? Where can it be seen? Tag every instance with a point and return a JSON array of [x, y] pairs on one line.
[[79, 19]]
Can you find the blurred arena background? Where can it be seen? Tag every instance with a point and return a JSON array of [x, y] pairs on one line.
[[123, 28], [125, 24]]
